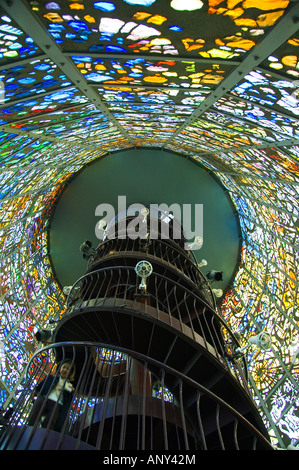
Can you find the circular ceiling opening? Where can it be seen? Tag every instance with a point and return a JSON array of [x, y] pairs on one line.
[[145, 177]]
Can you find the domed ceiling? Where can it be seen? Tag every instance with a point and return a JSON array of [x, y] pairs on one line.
[[215, 82]]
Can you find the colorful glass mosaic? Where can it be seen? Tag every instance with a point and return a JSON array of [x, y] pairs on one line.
[[149, 73]]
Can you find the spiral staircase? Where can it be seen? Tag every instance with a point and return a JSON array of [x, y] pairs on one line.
[[173, 380]]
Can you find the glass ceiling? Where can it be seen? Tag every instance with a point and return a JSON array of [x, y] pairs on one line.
[[215, 80]]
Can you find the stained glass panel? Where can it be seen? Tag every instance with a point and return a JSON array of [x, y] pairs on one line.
[[160, 75]]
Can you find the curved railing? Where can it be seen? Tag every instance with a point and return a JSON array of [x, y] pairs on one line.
[[124, 400], [168, 301], [166, 250], [157, 222]]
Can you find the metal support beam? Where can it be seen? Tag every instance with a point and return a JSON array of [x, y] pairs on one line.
[[153, 58], [23, 16], [267, 145], [281, 32]]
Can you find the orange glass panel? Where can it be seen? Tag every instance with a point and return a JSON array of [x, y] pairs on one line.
[[265, 4]]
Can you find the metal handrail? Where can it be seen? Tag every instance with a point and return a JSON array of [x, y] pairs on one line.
[[208, 423], [82, 297], [158, 249]]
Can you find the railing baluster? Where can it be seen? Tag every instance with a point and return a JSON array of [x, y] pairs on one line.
[[219, 427], [164, 422], [236, 435], [200, 424], [165, 295], [105, 404], [125, 406], [183, 415], [106, 400]]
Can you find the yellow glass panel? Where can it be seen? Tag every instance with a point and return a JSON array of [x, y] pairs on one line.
[[54, 17], [268, 19], [234, 13], [265, 4], [89, 19], [242, 43], [245, 22], [155, 79], [196, 75], [100, 67], [290, 60], [157, 19], [186, 42], [232, 3], [77, 6], [217, 53], [221, 10], [141, 15], [206, 54], [195, 46], [117, 88], [276, 65], [214, 79], [235, 41], [213, 3]]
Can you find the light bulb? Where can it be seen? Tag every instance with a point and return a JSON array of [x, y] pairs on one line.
[[218, 292], [202, 263], [102, 224], [197, 242]]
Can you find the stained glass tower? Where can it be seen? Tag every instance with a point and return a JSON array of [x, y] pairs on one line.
[[82, 80], [156, 367]]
